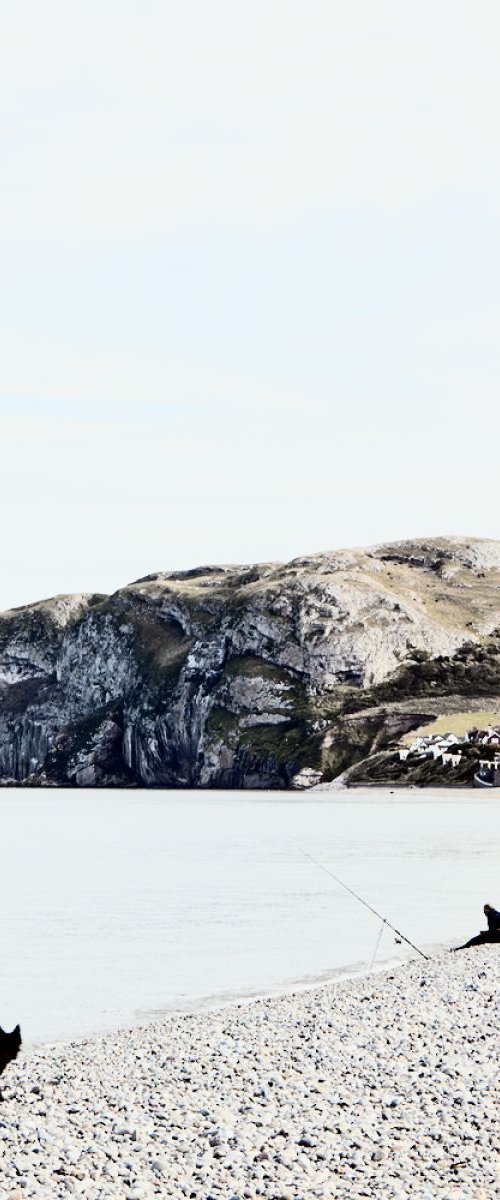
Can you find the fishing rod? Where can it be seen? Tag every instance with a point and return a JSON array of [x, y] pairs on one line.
[[365, 902]]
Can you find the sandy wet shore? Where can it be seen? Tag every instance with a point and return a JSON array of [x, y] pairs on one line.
[[378, 1086]]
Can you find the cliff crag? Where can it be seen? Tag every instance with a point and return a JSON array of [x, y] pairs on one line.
[[265, 676]]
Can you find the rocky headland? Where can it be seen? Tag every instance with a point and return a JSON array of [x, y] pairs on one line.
[[265, 676]]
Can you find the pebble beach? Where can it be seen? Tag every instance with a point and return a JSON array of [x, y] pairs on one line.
[[385, 1085]]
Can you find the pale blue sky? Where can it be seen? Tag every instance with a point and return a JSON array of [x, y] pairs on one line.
[[250, 262]]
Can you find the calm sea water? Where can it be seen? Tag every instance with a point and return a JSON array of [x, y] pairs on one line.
[[120, 906]]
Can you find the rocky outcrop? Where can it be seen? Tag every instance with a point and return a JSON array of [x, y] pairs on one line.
[[265, 676]]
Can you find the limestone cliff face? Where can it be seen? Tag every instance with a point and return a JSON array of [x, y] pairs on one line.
[[263, 676]]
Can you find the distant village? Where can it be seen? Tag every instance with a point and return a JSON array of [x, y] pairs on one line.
[[452, 749]]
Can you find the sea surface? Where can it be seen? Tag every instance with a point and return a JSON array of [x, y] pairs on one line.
[[118, 907]]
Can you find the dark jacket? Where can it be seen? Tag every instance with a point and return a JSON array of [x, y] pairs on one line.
[[493, 919]]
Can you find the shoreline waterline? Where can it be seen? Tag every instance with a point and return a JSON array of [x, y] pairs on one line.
[[211, 1005], [122, 906]]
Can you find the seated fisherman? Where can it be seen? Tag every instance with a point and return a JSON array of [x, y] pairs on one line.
[[491, 934]]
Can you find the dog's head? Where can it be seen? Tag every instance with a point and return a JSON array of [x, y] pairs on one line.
[[10, 1045], [15, 1040]]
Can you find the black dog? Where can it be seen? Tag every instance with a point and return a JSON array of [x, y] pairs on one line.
[[10, 1045]]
